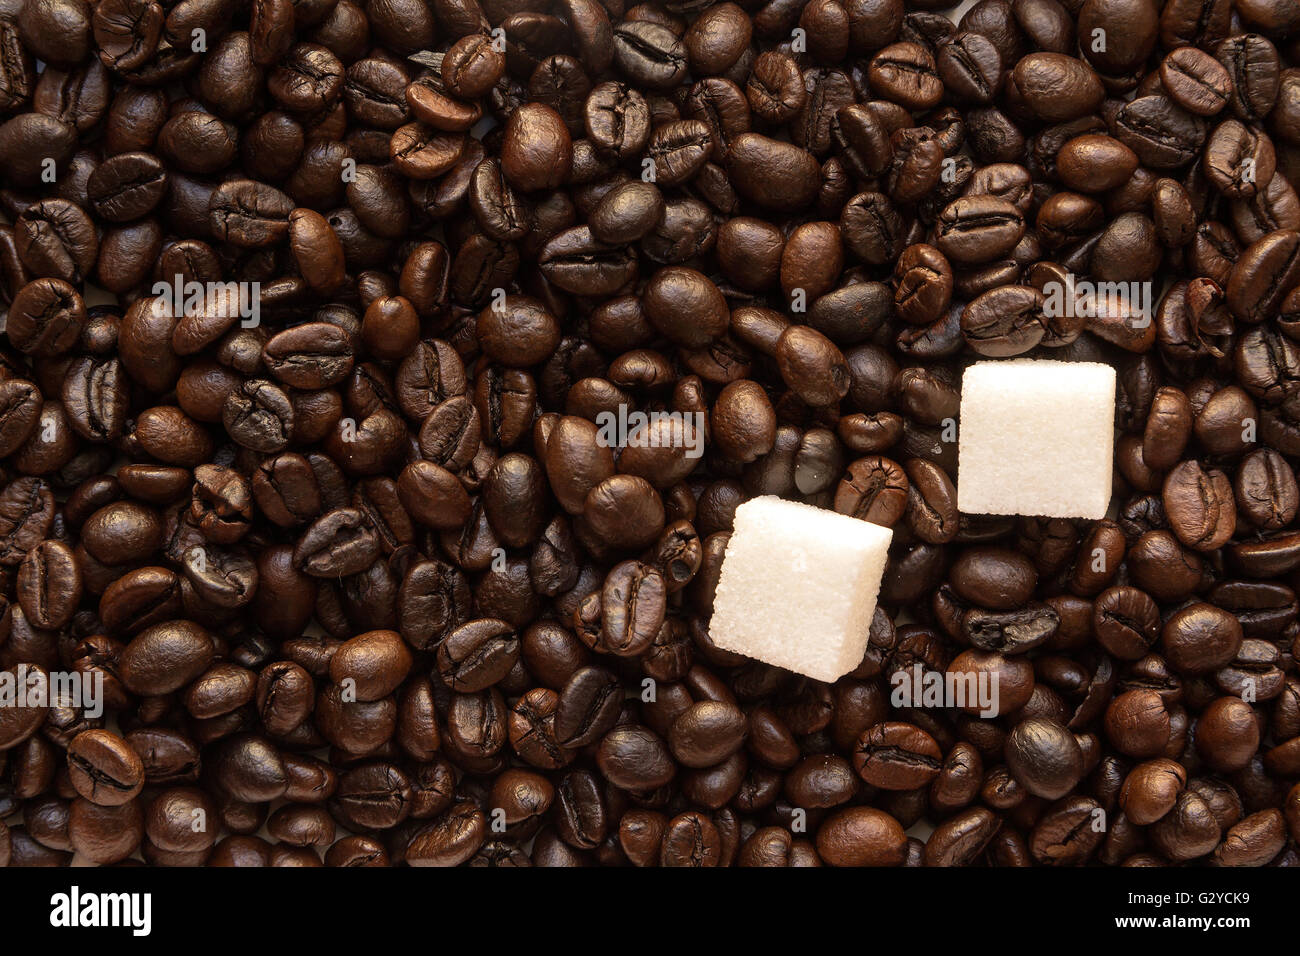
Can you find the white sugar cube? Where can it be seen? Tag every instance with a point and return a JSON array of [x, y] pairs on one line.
[[1036, 438], [798, 587]]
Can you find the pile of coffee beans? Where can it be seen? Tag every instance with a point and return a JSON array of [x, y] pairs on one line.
[[382, 377]]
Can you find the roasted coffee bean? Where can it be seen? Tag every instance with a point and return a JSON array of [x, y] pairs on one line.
[[707, 733], [1060, 838], [49, 584], [310, 356], [1196, 81], [1010, 632], [259, 416], [775, 88], [104, 769], [1056, 87], [588, 706], [874, 489], [1127, 622], [249, 214], [477, 655], [635, 757], [340, 542], [374, 663], [776, 175], [861, 836], [905, 73], [1264, 270], [897, 756], [1162, 134], [1044, 757], [1200, 506], [970, 66], [1252, 63], [649, 54], [127, 186], [574, 260], [633, 604], [1005, 321], [165, 657], [978, 229]]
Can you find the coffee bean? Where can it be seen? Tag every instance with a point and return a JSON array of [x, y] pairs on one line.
[[259, 416], [861, 836], [1045, 757], [905, 73], [1200, 506], [104, 769], [776, 175], [165, 657], [340, 542], [478, 654], [635, 756], [649, 54], [1200, 638], [1196, 81], [896, 756], [978, 229]]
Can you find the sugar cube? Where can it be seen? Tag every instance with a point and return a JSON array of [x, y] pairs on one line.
[[798, 587], [1036, 438]]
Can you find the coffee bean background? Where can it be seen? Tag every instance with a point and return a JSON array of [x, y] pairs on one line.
[[365, 585]]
